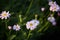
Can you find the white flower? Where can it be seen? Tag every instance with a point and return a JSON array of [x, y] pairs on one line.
[[16, 27], [32, 24], [9, 27], [36, 22], [4, 15], [53, 23], [42, 9], [51, 19]]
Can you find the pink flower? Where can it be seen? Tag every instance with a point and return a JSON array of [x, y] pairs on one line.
[[52, 3], [54, 8]]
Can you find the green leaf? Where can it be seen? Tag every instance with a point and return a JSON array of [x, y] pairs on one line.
[[12, 37]]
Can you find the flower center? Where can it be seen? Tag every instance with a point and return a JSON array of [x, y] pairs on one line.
[[54, 8], [31, 24], [4, 14], [16, 27]]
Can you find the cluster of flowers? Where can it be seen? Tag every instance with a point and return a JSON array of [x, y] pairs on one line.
[[53, 7], [15, 27], [33, 23], [29, 25]]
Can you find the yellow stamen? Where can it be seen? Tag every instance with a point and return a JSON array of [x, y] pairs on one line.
[[4, 14], [31, 24]]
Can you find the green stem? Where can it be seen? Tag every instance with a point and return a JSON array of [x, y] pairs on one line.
[[8, 37], [9, 32], [45, 24], [29, 34], [43, 27], [46, 28], [6, 23]]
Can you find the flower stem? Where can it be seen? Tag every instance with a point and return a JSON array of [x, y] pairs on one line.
[[29, 34], [43, 27], [6, 23], [9, 32]]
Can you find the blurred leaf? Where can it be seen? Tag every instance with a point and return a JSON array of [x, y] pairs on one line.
[[12, 37]]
